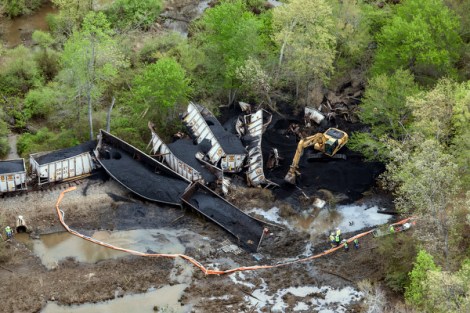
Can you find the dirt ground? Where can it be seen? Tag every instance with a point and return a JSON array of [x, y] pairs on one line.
[[100, 203]]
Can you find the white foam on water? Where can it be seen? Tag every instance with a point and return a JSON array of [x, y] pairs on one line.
[[361, 216], [301, 306], [332, 300], [271, 215]]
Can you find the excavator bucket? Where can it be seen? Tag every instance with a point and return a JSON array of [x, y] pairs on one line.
[[291, 176]]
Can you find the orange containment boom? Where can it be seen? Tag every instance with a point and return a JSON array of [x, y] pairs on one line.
[[206, 271]]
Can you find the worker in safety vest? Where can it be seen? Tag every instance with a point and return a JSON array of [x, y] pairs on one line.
[[356, 243], [337, 240], [338, 233], [332, 239], [346, 247], [9, 232], [392, 229]]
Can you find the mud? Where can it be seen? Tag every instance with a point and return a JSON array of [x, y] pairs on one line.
[[104, 205]]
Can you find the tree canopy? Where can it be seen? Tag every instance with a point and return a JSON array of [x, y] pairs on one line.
[[304, 32], [422, 36]]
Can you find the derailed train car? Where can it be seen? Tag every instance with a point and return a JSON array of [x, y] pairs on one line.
[[223, 147], [12, 175], [47, 167], [62, 164]]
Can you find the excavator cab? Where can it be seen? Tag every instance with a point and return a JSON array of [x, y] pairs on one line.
[[329, 143], [335, 140]]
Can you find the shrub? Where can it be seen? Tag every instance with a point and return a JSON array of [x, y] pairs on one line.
[[14, 8], [18, 72], [39, 103], [127, 14], [46, 140], [416, 291], [4, 146]]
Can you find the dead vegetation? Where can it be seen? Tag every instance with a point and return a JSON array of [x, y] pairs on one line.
[[248, 198]]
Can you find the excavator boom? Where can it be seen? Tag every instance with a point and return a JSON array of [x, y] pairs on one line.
[[328, 142]]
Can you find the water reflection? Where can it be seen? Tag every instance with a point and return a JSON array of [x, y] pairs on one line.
[[19, 29], [165, 299], [54, 247]]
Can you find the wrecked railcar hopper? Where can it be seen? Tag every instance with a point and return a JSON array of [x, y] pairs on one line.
[[139, 172], [12, 175], [63, 164], [225, 147], [246, 229], [255, 126], [180, 156]]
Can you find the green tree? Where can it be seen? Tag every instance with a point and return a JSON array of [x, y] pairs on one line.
[[421, 36], [70, 17], [448, 292], [4, 145], [14, 8], [228, 35], [397, 253], [425, 180], [461, 8], [18, 72], [305, 33], [351, 31], [161, 86], [416, 292], [384, 109], [91, 60], [45, 140], [127, 14], [443, 113], [48, 59], [461, 126], [41, 102], [255, 81]]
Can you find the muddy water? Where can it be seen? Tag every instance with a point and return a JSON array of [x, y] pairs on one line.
[[166, 299], [19, 29], [53, 248], [348, 218]]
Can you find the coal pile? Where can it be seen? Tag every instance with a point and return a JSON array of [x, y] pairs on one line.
[[352, 176], [185, 150], [65, 153], [11, 166], [247, 229], [141, 179], [227, 139]]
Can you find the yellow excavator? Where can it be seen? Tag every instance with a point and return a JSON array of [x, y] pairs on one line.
[[328, 142]]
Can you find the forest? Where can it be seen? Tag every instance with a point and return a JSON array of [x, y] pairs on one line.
[[116, 61]]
